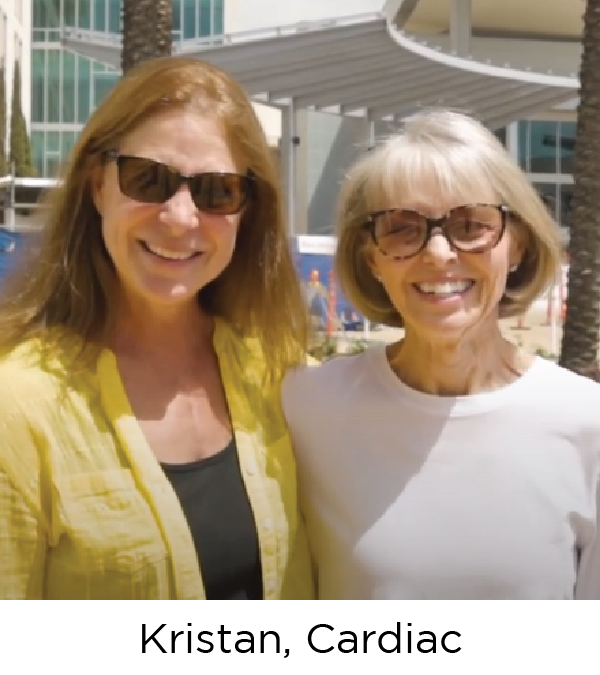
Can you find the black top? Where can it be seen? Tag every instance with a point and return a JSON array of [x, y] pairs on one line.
[[214, 500]]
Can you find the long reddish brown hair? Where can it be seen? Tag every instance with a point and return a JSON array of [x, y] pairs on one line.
[[70, 283]]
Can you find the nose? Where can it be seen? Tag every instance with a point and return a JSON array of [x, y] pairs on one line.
[[180, 212], [438, 250]]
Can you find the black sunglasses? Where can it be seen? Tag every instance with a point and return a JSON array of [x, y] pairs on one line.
[[150, 182], [403, 233]]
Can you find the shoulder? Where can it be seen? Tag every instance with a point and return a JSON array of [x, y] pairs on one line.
[[311, 386], [571, 399], [23, 378], [564, 383], [25, 391], [238, 352], [34, 374]]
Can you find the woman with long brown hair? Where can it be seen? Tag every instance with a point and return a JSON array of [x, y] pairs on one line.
[[143, 451]]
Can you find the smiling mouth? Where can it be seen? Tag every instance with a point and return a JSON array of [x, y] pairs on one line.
[[168, 254], [445, 288]]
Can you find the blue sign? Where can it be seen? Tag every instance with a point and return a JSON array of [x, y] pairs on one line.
[[10, 246], [315, 265]]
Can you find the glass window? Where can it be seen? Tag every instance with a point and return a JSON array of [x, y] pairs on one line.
[[176, 16], [36, 19], [523, 133], [46, 13], [53, 86], [99, 22], [549, 194], [543, 147], [37, 150], [189, 18], [84, 14], [206, 18], [103, 83], [52, 141], [568, 132], [84, 85], [67, 143], [69, 9], [114, 16], [38, 64], [566, 198], [68, 104], [218, 17], [53, 164]]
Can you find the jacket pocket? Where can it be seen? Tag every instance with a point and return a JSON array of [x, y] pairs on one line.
[[109, 542]]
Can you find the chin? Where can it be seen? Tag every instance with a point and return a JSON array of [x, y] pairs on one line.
[[173, 296], [445, 328]]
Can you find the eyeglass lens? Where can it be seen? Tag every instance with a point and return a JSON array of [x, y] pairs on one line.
[[145, 180], [403, 233]]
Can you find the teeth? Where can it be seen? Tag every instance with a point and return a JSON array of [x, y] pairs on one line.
[[170, 255], [446, 288]]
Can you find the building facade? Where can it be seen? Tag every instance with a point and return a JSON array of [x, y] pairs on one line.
[[15, 47], [67, 87], [528, 36]]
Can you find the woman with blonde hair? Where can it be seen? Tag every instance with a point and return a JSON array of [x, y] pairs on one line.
[[143, 450], [450, 464]]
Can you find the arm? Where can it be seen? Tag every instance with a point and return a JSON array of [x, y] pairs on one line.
[[22, 526], [300, 554], [22, 546], [587, 586]]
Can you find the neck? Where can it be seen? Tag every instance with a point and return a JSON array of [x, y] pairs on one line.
[[479, 361], [174, 335]]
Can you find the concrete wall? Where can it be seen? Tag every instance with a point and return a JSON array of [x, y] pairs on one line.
[[333, 143]]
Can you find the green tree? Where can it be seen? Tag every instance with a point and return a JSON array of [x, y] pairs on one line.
[[3, 167], [147, 31], [581, 334], [20, 150]]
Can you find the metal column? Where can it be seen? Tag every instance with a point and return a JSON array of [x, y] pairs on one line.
[[289, 141], [460, 27]]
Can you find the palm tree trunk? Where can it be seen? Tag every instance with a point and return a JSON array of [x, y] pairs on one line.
[[147, 31], [581, 335]]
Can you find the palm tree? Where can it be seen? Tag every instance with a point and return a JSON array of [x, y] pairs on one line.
[[147, 26], [20, 148], [581, 335]]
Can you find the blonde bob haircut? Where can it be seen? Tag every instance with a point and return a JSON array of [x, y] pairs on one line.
[[70, 285], [456, 157]]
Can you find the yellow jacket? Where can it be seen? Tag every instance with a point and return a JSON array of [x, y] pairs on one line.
[[85, 509]]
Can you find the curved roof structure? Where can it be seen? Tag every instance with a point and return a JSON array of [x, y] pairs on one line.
[[361, 65], [559, 20]]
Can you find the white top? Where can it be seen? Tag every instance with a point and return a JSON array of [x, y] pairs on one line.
[[412, 496]]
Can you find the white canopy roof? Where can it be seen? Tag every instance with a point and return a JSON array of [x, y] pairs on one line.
[[361, 66]]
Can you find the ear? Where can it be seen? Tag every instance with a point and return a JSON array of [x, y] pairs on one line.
[[519, 238], [97, 181]]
